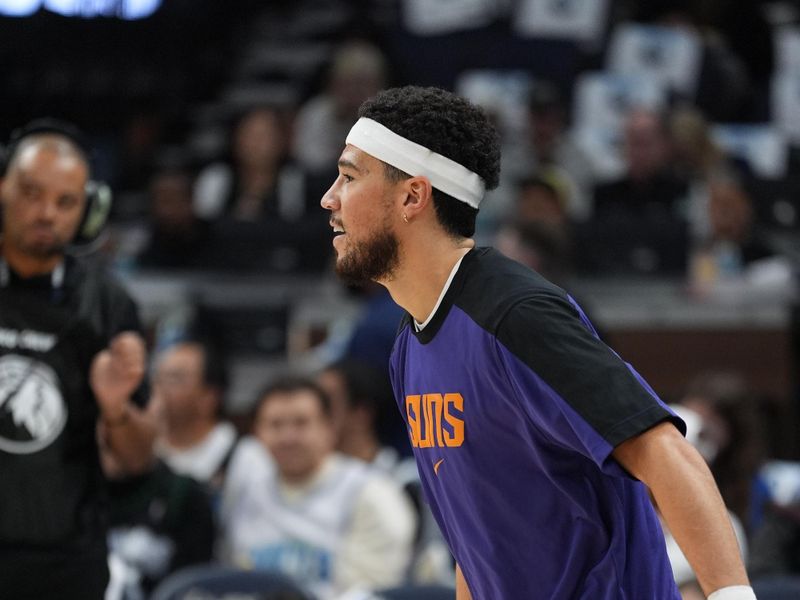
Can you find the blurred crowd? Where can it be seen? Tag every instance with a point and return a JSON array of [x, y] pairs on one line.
[[646, 162]]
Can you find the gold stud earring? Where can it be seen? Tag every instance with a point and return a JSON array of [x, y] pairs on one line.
[[405, 218]]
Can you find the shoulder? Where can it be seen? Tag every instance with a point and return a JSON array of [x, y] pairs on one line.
[[99, 291], [224, 433], [373, 484], [496, 288], [249, 460], [383, 498], [347, 470]]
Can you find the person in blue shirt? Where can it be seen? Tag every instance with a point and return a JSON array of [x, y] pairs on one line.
[[534, 440]]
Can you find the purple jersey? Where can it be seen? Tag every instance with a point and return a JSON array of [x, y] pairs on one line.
[[513, 407]]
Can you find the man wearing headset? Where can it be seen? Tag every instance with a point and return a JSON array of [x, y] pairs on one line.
[[71, 368]]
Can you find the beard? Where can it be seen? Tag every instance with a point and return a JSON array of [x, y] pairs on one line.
[[373, 259], [45, 252], [41, 250]]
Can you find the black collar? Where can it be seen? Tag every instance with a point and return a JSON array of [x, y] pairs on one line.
[[53, 283], [433, 326]]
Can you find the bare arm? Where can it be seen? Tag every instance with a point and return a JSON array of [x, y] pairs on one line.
[[687, 496], [128, 431], [462, 591]]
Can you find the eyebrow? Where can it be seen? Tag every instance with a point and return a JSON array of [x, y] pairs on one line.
[[343, 162]]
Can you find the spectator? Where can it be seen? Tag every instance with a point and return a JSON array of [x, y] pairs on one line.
[[292, 504], [159, 522], [540, 233], [730, 215], [545, 147], [638, 225], [553, 149], [256, 181], [733, 243], [178, 238], [650, 185], [697, 160], [189, 395], [358, 71], [360, 396], [263, 212]]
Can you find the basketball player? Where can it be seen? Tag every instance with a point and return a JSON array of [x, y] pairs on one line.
[[533, 439], [69, 363]]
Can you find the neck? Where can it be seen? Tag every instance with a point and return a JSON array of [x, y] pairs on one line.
[[189, 434], [301, 480], [426, 264], [363, 446], [26, 265]]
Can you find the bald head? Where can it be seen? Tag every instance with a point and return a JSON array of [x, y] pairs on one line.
[[60, 145]]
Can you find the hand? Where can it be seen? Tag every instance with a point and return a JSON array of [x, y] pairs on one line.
[[116, 372]]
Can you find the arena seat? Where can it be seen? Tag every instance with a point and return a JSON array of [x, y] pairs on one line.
[[417, 592], [213, 582]]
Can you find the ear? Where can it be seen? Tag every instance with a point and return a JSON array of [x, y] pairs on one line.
[[419, 196], [211, 399]]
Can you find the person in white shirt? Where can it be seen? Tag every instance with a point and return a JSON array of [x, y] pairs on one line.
[[188, 393], [292, 504], [359, 395]]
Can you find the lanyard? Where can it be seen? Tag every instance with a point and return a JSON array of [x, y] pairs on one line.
[[56, 277]]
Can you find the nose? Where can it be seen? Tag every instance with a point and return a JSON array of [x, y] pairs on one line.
[[330, 199], [48, 208]]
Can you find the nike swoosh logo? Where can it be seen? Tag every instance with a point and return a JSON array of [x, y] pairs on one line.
[[436, 466]]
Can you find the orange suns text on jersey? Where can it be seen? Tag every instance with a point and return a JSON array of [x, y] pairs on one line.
[[432, 421]]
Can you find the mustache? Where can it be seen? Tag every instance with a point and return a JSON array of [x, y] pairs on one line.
[[48, 223]]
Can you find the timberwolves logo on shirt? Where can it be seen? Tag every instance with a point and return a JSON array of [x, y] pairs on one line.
[[32, 409]]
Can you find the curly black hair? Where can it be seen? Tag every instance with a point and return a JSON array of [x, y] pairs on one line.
[[448, 125]]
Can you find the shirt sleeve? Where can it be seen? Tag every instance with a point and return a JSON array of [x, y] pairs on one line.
[[571, 385], [376, 549]]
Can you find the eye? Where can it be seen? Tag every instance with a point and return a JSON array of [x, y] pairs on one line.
[[347, 178], [67, 202], [28, 190]]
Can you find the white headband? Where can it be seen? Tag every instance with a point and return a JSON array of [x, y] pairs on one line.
[[444, 174]]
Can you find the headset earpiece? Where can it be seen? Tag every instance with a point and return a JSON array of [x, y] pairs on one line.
[[95, 212]]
